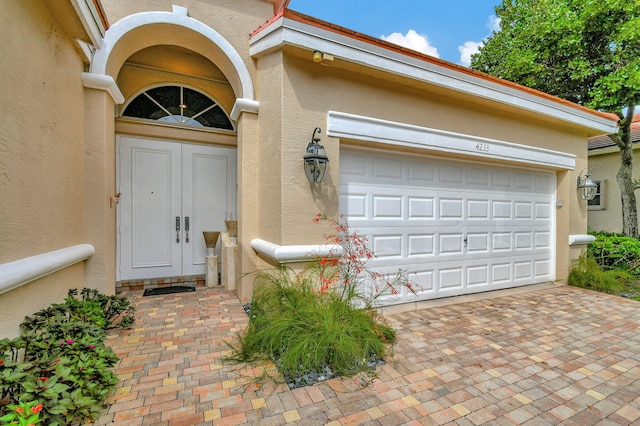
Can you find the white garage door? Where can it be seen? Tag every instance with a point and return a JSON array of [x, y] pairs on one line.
[[456, 227]]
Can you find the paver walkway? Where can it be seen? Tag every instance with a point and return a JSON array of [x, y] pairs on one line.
[[559, 355]]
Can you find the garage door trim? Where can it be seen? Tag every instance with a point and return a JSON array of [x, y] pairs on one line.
[[350, 126]]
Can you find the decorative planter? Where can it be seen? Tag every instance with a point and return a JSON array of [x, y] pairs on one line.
[[211, 239], [232, 227]]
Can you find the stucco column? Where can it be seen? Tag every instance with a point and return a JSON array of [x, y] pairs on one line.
[[248, 202], [99, 186]]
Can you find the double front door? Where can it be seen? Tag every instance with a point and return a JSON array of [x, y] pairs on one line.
[[170, 193]]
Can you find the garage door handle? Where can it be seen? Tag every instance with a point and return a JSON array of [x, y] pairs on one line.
[[177, 229], [465, 242], [186, 228]]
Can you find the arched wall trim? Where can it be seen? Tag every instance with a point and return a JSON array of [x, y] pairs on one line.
[[177, 17]]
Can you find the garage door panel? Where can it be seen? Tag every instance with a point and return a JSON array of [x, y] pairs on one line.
[[420, 208], [542, 239], [451, 208], [353, 165], [451, 278], [419, 175], [478, 242], [523, 270], [542, 210], [524, 210], [388, 170], [420, 245], [478, 209], [501, 209], [356, 206], [386, 207], [451, 174], [523, 240], [385, 246], [478, 178], [478, 275], [501, 272], [454, 227], [542, 268], [451, 244]]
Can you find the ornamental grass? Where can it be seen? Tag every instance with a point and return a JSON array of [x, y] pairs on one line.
[[322, 320]]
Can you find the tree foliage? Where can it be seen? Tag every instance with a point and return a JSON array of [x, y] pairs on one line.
[[584, 51]]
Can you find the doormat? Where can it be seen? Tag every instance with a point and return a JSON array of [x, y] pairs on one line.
[[167, 290]]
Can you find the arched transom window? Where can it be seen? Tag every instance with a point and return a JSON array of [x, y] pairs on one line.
[[178, 105]]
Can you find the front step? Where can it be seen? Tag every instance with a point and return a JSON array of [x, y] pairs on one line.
[[152, 283]]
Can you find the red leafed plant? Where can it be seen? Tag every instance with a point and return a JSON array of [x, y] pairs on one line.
[[321, 321], [345, 270]]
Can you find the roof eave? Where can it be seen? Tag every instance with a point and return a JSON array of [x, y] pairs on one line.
[[293, 29]]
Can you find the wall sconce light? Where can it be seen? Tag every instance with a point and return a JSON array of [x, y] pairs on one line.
[[586, 187], [315, 159]]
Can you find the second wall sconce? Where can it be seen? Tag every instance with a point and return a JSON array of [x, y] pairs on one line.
[[587, 188]]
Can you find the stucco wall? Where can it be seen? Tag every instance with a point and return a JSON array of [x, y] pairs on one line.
[[295, 95], [232, 19], [604, 168], [310, 90], [41, 152]]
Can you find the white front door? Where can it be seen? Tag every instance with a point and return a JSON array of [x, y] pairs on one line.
[[171, 193]]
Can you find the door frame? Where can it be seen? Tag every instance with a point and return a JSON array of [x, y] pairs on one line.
[[231, 194]]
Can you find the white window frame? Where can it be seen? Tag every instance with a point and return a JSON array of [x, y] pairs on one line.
[[599, 196]]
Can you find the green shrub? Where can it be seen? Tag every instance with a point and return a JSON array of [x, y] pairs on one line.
[[587, 273], [60, 361], [614, 251]]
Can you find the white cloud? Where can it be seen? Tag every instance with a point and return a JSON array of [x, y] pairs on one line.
[[468, 49], [471, 47], [412, 40], [493, 23]]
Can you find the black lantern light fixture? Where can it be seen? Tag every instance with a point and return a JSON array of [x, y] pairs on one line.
[[315, 159], [586, 187]]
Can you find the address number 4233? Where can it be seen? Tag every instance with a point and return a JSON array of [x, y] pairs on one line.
[[482, 147]]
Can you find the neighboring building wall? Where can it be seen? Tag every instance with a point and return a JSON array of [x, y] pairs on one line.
[[603, 168], [41, 152]]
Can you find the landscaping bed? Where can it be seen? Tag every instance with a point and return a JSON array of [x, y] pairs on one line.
[[59, 371]]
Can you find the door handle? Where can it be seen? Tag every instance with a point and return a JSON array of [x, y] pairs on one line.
[[186, 228], [177, 229]]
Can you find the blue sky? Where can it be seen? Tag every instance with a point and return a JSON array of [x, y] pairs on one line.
[[450, 30]]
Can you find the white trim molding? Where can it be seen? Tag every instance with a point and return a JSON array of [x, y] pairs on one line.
[[343, 125], [178, 17], [20, 272], [575, 240], [286, 31], [90, 19], [244, 105], [103, 82], [294, 253]]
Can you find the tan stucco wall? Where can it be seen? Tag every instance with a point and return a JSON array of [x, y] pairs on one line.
[[604, 168], [310, 90], [276, 203], [41, 152]]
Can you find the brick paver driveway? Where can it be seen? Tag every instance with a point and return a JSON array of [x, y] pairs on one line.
[[550, 355]]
